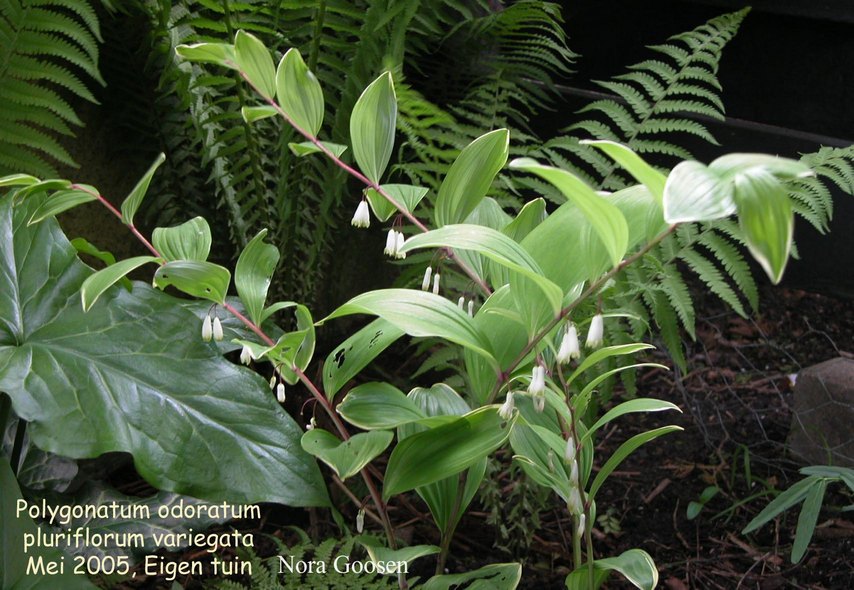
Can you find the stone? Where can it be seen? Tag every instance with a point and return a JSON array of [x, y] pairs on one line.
[[823, 414]]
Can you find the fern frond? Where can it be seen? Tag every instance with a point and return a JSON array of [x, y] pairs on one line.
[[47, 49], [812, 196], [658, 99]]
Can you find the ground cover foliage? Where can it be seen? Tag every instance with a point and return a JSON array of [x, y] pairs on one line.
[[272, 116]]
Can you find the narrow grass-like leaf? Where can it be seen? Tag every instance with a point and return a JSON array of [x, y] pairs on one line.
[[624, 450]]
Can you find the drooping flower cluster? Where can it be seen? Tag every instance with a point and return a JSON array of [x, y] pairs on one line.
[[394, 244], [569, 346], [211, 329]]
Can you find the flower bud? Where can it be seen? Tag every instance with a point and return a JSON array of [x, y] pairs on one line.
[[280, 392], [362, 217], [596, 332], [360, 521], [471, 308], [246, 355], [425, 282], [436, 283], [573, 473], [538, 380], [398, 246], [390, 243], [311, 425], [273, 381], [569, 454], [569, 346], [207, 329], [574, 503], [506, 409], [582, 525], [217, 330], [460, 302]]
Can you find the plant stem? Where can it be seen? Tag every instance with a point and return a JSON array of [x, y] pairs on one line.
[[591, 290], [448, 533], [371, 184], [313, 389]]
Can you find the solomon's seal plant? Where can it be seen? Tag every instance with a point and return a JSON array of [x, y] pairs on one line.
[[542, 277]]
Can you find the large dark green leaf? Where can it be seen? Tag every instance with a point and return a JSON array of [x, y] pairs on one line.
[[440, 452], [13, 560], [133, 375]]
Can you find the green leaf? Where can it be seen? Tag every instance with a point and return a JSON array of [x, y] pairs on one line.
[[540, 454], [766, 219], [497, 576], [492, 244], [95, 285], [302, 352], [608, 222], [441, 402], [635, 565], [189, 241], [807, 519], [253, 274], [307, 147], [470, 176], [133, 375], [623, 451], [37, 469], [299, 93], [351, 356], [372, 126], [346, 458], [696, 193], [42, 186], [437, 453], [194, 519], [205, 280], [644, 404], [419, 314], [18, 180], [83, 246], [634, 165], [254, 61], [252, 114], [218, 53], [406, 195], [374, 406], [131, 204], [13, 560], [601, 354], [731, 165], [381, 554], [796, 493], [60, 201]]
